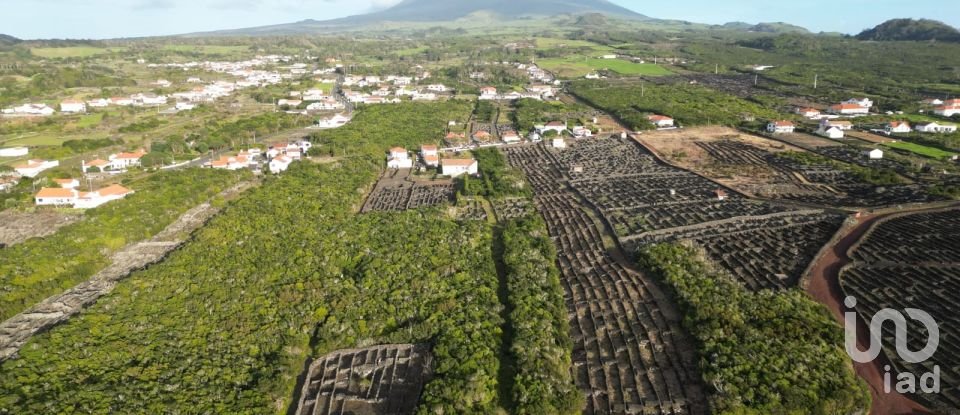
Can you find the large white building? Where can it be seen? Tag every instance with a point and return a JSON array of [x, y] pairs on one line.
[[399, 159], [121, 161], [14, 151], [31, 168], [458, 167], [931, 127], [73, 107], [780, 127], [57, 196]]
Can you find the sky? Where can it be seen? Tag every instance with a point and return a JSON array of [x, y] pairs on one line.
[[100, 19]]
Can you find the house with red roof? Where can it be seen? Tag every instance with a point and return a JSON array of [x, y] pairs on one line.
[[897, 127], [660, 121], [458, 167]]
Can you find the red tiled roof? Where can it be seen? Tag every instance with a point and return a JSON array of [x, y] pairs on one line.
[[458, 162], [55, 192], [114, 190]]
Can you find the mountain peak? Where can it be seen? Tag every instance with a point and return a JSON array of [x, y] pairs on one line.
[[431, 10]]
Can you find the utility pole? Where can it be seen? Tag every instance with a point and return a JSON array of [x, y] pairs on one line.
[[815, 76], [756, 78], [641, 89], [716, 69]]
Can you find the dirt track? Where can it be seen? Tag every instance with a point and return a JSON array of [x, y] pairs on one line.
[[825, 288]]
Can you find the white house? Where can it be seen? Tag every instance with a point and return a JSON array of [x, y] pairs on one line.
[[98, 103], [808, 112], [660, 121], [289, 102], [947, 110], [162, 83], [124, 160], [280, 164], [580, 131], [592, 75], [31, 168], [608, 56], [14, 151], [875, 154], [399, 159], [842, 125], [430, 156], [830, 132], [849, 109], [122, 101], [488, 92], [931, 127], [437, 88], [338, 120], [34, 109], [559, 143], [458, 167], [932, 101], [52, 196], [73, 107], [237, 162], [781, 127], [897, 127], [863, 102], [510, 136], [55, 196], [326, 104], [87, 200]]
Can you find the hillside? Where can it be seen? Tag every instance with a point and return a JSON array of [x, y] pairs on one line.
[[6, 40], [910, 29], [764, 27], [465, 12]]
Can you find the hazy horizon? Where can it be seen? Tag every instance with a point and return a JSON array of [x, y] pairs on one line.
[[106, 19]]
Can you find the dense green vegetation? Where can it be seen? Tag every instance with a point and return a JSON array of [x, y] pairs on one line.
[[688, 104], [348, 281], [538, 317], [39, 268], [176, 338], [911, 29], [497, 179], [761, 352]]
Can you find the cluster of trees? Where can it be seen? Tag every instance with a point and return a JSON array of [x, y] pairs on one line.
[[52, 78], [760, 352], [485, 111], [141, 126], [541, 344], [688, 104], [497, 178], [911, 29], [38, 268]]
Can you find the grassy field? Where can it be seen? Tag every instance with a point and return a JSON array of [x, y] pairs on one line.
[[72, 52], [578, 66], [48, 139], [90, 120], [922, 150], [207, 49]]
